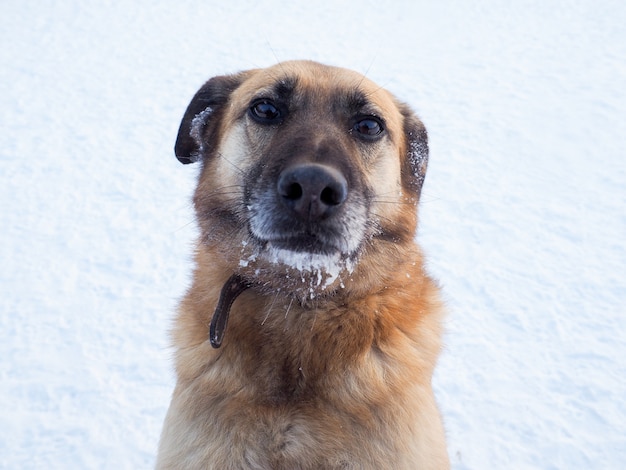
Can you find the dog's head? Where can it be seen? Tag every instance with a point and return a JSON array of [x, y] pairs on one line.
[[306, 171]]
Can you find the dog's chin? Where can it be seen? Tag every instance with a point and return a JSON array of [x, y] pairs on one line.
[[305, 269]]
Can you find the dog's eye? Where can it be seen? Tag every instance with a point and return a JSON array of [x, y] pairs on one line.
[[368, 127], [265, 111]]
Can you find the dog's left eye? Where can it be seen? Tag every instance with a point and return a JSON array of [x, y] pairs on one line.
[[369, 127], [265, 111]]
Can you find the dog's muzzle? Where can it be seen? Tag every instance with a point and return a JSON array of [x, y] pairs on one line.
[[305, 210]]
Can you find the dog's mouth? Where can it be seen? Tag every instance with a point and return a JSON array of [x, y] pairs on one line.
[[305, 243], [271, 231]]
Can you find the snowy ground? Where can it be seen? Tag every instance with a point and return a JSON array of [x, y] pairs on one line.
[[523, 214]]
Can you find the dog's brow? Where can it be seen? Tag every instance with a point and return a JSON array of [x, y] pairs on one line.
[[282, 89], [357, 99], [285, 86], [357, 102]]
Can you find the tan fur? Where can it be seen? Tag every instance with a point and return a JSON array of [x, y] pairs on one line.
[[337, 380]]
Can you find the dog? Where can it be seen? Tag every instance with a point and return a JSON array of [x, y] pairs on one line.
[[311, 330]]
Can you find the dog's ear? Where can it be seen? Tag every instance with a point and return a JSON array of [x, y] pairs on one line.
[[416, 158], [203, 112]]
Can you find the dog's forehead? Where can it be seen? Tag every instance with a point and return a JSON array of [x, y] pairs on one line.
[[317, 82]]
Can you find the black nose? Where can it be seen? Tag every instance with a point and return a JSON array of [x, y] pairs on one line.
[[312, 191]]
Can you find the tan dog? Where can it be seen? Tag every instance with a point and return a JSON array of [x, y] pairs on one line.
[[307, 206]]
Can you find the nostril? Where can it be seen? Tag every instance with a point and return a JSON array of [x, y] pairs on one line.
[[293, 191], [332, 196]]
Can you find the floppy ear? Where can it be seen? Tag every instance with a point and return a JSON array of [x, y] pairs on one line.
[[202, 113], [415, 161]]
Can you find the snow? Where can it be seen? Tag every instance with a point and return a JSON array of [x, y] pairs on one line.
[[197, 126], [326, 267], [522, 217]]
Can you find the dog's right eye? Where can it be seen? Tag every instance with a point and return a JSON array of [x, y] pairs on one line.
[[369, 128], [265, 112]]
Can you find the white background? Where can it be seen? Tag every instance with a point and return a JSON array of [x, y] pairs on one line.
[[523, 215]]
